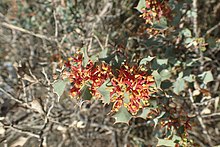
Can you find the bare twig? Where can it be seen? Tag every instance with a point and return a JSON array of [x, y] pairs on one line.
[[10, 96], [212, 29], [56, 24], [200, 118], [98, 41], [211, 115], [22, 131], [195, 18], [10, 26]]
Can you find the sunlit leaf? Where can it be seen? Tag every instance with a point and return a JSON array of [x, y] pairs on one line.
[[157, 78], [103, 53], [145, 112], [145, 60], [206, 77], [85, 93], [161, 25], [105, 92], [59, 87], [186, 32], [141, 5], [165, 142], [179, 86], [162, 61], [122, 116], [85, 57], [165, 74], [189, 78]]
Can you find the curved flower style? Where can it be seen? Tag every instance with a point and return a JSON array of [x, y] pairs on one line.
[[155, 9], [131, 88]]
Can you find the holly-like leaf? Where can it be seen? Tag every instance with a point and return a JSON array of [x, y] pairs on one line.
[[59, 87], [141, 5], [105, 92], [186, 32], [145, 60], [165, 74], [190, 78], [157, 78], [85, 57], [162, 61], [206, 77], [122, 116], [165, 142], [161, 24], [85, 93], [103, 53], [179, 86], [145, 112]]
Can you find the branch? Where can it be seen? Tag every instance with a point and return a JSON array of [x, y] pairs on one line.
[[200, 118], [212, 29], [22, 131], [10, 26]]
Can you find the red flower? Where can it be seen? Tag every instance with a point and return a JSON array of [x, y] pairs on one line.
[[155, 9], [79, 76], [131, 88]]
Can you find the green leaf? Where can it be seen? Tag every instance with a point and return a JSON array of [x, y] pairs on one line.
[[186, 32], [103, 53], [122, 116], [85, 93], [188, 40], [165, 142], [206, 77], [179, 86], [181, 130], [85, 57], [166, 85], [141, 5], [145, 112], [145, 60], [161, 25], [162, 61], [190, 78], [157, 78], [165, 74], [59, 87], [105, 92]]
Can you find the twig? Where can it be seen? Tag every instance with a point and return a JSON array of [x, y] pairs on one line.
[[10, 96], [212, 29], [106, 40], [22, 131], [25, 105], [98, 41], [197, 138], [198, 115], [195, 18], [211, 115], [56, 24], [10, 26]]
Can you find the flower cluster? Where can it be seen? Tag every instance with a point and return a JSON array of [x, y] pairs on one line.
[[129, 86], [155, 9], [92, 75], [132, 88]]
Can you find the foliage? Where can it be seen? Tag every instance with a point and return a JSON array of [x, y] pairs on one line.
[[151, 86]]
